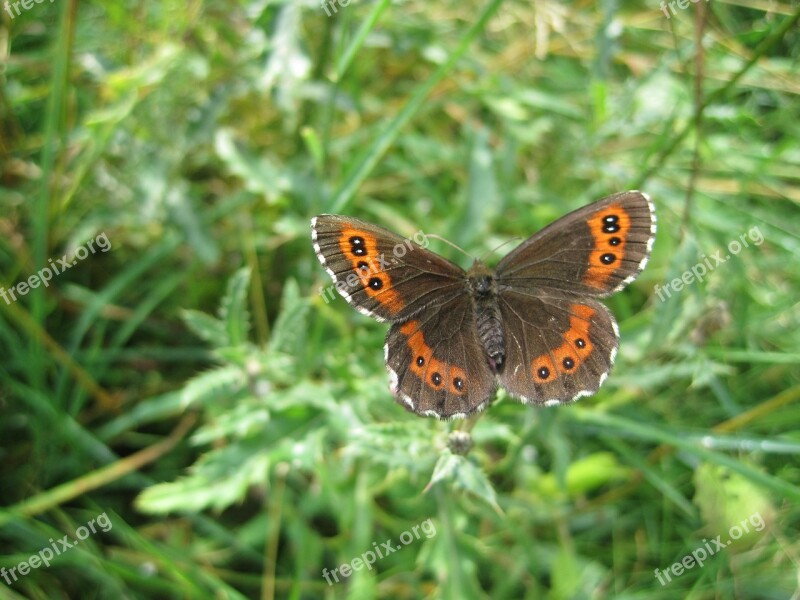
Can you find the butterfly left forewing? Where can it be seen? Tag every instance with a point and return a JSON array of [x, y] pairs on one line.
[[558, 347], [437, 365], [382, 274]]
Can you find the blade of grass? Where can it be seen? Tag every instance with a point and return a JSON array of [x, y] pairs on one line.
[[27, 322], [645, 431], [360, 37], [41, 211], [98, 478], [765, 46], [375, 152], [669, 491]]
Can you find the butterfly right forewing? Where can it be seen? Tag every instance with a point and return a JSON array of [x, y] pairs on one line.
[[593, 251]]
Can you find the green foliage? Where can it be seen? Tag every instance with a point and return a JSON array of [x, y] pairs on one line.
[[234, 423]]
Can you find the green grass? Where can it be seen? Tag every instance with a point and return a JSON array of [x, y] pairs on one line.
[[194, 386]]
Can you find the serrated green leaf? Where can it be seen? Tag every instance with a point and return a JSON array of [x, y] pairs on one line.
[[245, 419], [289, 332], [464, 475], [217, 383], [221, 478], [259, 174], [394, 445], [445, 467], [233, 310], [205, 327]]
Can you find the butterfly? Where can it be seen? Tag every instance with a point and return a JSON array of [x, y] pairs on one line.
[[533, 325]]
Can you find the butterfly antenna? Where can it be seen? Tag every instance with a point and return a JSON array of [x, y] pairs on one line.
[[500, 246], [448, 242]]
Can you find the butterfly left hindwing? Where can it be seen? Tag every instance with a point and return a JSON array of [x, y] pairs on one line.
[[436, 362]]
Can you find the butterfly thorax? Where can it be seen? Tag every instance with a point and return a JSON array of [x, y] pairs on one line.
[[483, 290]]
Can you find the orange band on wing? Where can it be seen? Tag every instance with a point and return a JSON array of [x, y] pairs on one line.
[[571, 354], [361, 249], [433, 373], [609, 228]]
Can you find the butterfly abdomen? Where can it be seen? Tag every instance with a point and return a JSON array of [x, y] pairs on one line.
[[487, 312]]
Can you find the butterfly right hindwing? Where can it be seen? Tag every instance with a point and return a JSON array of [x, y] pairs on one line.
[[558, 347]]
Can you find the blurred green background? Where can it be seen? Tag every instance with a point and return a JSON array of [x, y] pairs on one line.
[[191, 387]]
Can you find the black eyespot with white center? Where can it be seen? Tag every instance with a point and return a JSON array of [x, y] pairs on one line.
[[420, 361], [580, 343], [615, 241], [375, 283], [458, 383], [363, 267], [607, 258], [543, 372], [610, 224], [568, 363], [436, 379], [357, 245]]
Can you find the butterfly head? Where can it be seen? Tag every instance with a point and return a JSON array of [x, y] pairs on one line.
[[481, 280]]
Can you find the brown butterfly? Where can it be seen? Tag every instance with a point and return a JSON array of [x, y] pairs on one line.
[[533, 324]]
